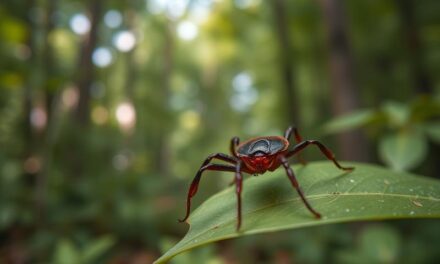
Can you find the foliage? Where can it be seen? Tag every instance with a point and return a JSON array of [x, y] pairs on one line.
[[367, 193], [66, 252], [403, 130]]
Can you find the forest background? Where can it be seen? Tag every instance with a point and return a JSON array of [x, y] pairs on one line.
[[108, 108]]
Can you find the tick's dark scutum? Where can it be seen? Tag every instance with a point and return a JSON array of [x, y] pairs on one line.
[[263, 145]]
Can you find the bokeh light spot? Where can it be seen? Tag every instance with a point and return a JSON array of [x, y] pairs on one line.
[[99, 115], [187, 30], [245, 95], [242, 82], [38, 117], [32, 165], [121, 162], [126, 115], [113, 18], [200, 10], [173, 9], [102, 57], [80, 24], [124, 41], [190, 120], [70, 97]]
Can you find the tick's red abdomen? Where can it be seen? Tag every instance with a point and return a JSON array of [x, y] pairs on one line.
[[261, 164]]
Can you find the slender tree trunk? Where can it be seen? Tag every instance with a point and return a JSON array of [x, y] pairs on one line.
[[422, 82], [43, 137], [28, 89], [130, 72], [168, 59], [85, 76], [86, 73], [48, 60], [286, 61], [344, 93]]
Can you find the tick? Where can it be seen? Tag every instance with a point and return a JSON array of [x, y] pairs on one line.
[[256, 156]]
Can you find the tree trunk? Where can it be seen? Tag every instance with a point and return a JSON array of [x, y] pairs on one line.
[[286, 64], [422, 82], [168, 59], [44, 136], [344, 93], [86, 73], [130, 71], [85, 76], [28, 89]]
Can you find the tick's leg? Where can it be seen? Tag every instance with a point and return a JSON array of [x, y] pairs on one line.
[[289, 131], [238, 189], [298, 139], [233, 147], [195, 183], [295, 184], [326, 151], [219, 156]]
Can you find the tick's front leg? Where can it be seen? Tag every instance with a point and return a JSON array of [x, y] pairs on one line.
[[195, 183], [238, 189]]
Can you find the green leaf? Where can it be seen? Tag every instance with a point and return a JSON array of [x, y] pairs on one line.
[[349, 121], [398, 113], [271, 204], [66, 253], [97, 248], [404, 150]]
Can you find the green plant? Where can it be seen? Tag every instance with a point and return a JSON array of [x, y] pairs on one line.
[[67, 253], [403, 130]]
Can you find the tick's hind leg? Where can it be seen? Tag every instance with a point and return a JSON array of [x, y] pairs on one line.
[[298, 139], [326, 151], [295, 184]]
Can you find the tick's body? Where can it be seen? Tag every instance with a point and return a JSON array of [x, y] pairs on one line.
[[256, 156], [262, 154]]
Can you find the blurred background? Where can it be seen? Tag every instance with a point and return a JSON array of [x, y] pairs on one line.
[[108, 108]]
